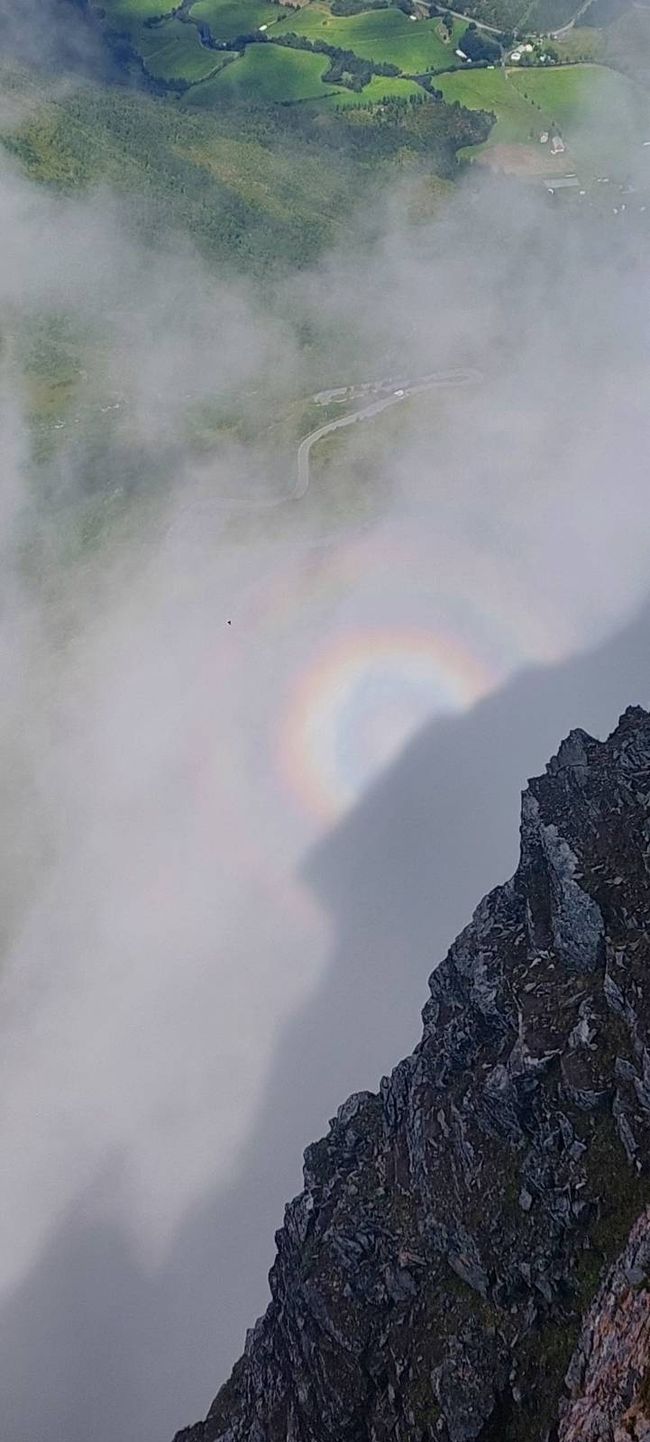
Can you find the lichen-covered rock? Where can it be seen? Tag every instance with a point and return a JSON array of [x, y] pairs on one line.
[[609, 1375], [431, 1279]]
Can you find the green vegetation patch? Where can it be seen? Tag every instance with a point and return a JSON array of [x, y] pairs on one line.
[[415, 46], [227, 19], [581, 43], [516, 118], [603, 116], [248, 187], [172, 50], [274, 73], [573, 93], [380, 90], [124, 14]]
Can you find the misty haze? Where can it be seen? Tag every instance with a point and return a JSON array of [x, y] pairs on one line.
[[324, 376]]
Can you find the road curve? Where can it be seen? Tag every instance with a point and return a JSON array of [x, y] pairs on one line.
[[441, 380]]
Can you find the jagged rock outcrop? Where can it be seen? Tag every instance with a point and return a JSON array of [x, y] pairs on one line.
[[432, 1277], [609, 1375]]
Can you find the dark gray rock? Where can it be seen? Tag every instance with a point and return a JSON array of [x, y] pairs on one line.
[[431, 1278]]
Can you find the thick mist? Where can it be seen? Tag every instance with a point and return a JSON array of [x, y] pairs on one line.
[[260, 756], [56, 35]]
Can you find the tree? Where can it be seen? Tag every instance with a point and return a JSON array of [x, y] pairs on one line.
[[476, 45]]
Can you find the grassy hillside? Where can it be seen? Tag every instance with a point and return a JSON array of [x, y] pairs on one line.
[[127, 12], [381, 89], [602, 116], [264, 185], [173, 51], [491, 90], [246, 187], [181, 50], [581, 43], [271, 72], [188, 53], [229, 18], [381, 35]]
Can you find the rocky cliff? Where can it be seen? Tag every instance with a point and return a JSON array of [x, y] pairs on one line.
[[450, 1270]]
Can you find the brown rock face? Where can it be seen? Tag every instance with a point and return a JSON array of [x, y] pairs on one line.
[[432, 1277], [609, 1375]]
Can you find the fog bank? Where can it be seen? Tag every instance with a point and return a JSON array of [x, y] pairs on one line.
[[225, 881]]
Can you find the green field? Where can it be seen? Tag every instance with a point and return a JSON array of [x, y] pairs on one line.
[[600, 114], [381, 88], [273, 73], [492, 90], [229, 18], [580, 43], [572, 94], [126, 13], [603, 116], [381, 35], [172, 51]]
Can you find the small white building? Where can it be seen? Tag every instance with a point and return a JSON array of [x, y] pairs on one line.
[[516, 56], [461, 54], [543, 139], [557, 145]]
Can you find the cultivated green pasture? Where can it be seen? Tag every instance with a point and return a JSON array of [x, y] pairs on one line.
[[492, 90], [604, 116], [600, 113], [272, 72], [380, 88], [207, 93], [381, 35], [229, 18], [127, 13], [172, 51], [569, 94], [580, 43]]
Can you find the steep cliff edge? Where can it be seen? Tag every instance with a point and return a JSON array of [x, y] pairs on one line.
[[432, 1278], [609, 1376]]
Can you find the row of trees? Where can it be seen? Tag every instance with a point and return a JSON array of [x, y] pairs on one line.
[[346, 67], [478, 45]]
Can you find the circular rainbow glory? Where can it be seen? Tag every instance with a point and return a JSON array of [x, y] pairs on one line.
[[354, 708]]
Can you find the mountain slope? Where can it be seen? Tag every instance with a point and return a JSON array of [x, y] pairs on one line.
[[262, 188], [432, 1276]]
